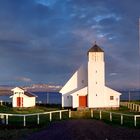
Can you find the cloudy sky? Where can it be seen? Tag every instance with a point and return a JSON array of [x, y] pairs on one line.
[[45, 41]]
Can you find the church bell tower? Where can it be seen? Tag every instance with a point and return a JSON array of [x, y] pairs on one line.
[[96, 75]]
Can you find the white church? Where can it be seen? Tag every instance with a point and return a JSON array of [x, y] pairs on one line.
[[86, 88]]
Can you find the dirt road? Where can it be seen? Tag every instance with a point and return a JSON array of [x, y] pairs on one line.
[[85, 130]]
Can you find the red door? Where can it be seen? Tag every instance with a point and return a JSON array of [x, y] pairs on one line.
[[82, 101], [19, 101]]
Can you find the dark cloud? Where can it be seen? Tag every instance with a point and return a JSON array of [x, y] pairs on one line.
[[46, 41]]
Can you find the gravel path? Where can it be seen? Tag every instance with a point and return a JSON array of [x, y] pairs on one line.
[[85, 130]]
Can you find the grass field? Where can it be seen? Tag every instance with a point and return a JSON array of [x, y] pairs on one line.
[[17, 121], [29, 110], [15, 129], [128, 121]]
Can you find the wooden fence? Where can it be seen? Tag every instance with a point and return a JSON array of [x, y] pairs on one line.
[[115, 113], [131, 106], [93, 114], [5, 117]]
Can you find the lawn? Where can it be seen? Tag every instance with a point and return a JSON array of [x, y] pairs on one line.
[[128, 121], [29, 110], [31, 121], [15, 129], [125, 110]]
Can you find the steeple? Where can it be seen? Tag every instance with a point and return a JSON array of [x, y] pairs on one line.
[[95, 54], [95, 48]]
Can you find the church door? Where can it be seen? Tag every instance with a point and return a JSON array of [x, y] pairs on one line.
[[19, 101], [82, 101]]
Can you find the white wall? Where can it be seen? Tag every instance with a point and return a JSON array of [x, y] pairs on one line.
[[76, 82], [75, 97], [96, 79], [27, 101], [112, 103], [66, 100]]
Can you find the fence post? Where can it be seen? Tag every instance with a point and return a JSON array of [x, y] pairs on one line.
[[24, 118], [50, 116], [100, 114], [135, 121], [69, 113], [91, 113], [37, 118], [60, 115], [128, 105], [110, 116], [6, 119], [121, 119], [136, 107], [1, 102], [131, 106]]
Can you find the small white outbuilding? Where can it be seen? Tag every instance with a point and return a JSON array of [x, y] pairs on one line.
[[86, 88], [22, 98]]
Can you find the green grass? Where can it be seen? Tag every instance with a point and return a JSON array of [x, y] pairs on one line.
[[16, 131], [135, 102], [125, 110], [128, 121], [29, 110], [31, 121]]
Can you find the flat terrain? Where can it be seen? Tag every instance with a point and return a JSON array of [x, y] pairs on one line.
[[85, 129]]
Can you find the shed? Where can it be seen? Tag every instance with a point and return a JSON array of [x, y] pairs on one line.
[[22, 98]]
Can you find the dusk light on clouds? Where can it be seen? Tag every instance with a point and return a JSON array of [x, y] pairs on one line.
[[45, 41]]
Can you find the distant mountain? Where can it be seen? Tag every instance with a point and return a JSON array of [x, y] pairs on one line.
[[6, 90], [43, 87]]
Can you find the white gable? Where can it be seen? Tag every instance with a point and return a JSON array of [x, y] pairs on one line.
[[111, 91], [77, 81], [17, 89]]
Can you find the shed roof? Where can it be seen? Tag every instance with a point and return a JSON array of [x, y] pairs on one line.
[[29, 94]]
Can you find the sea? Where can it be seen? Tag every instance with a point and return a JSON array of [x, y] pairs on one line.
[[55, 97]]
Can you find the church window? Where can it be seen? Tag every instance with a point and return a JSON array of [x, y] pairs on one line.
[[83, 81], [96, 83], [111, 97]]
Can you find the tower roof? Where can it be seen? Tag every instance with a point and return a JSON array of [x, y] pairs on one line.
[[95, 48]]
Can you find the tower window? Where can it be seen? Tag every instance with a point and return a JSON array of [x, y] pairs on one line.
[[111, 97], [96, 83]]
